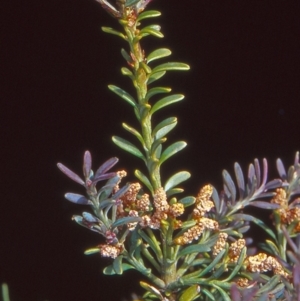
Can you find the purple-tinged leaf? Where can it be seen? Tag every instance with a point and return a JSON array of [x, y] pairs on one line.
[[298, 241], [78, 219], [295, 203], [295, 191], [87, 164], [273, 184], [216, 200], [252, 182], [89, 217], [69, 173], [234, 293], [257, 171], [107, 165], [77, 199], [141, 5], [264, 205], [264, 177], [290, 241], [120, 192], [102, 177], [265, 172], [296, 275], [109, 8], [292, 257], [240, 180], [230, 185], [265, 195], [281, 170]]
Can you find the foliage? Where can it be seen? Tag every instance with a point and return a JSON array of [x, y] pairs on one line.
[[189, 248]]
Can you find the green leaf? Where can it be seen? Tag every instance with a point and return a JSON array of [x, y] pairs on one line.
[[156, 90], [117, 265], [166, 123], [156, 144], [133, 132], [148, 14], [123, 94], [126, 56], [190, 293], [126, 267], [258, 222], [110, 270], [127, 72], [271, 284], [200, 248], [127, 146], [208, 294], [187, 201], [172, 150], [166, 101], [151, 289], [125, 220], [5, 292], [92, 251], [174, 191], [157, 152], [158, 54], [131, 2], [164, 127], [188, 224], [171, 66], [113, 31], [144, 110], [153, 243], [135, 242], [155, 76], [211, 266], [238, 265], [176, 179], [151, 30], [223, 294], [273, 248], [144, 180], [278, 291], [147, 69]]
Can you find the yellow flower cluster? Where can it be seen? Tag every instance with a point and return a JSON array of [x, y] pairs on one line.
[[203, 205], [130, 201], [235, 250], [162, 210], [140, 205], [264, 263], [287, 214], [110, 250], [220, 244], [242, 282]]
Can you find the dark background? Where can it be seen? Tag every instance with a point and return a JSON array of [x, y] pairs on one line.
[[242, 102]]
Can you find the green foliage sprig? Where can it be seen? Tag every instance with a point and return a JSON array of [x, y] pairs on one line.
[[204, 253]]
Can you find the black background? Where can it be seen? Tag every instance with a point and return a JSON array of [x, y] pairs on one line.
[[242, 102]]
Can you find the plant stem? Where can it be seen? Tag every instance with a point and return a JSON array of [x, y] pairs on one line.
[[140, 77]]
